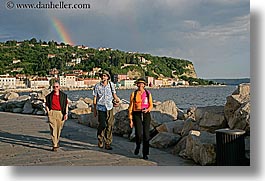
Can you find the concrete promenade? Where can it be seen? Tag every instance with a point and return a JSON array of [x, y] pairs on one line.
[[25, 141]]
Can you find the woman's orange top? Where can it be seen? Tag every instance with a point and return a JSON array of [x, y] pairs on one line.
[[140, 103]]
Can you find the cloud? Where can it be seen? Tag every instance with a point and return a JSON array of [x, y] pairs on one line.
[[238, 27], [203, 31]]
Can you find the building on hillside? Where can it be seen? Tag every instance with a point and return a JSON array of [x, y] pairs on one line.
[[167, 82], [68, 80], [80, 83], [15, 61], [7, 82], [158, 82], [78, 72], [150, 81], [21, 83], [181, 82], [51, 55], [94, 71], [90, 82], [85, 73], [39, 82], [76, 60], [119, 77], [54, 72], [127, 83]]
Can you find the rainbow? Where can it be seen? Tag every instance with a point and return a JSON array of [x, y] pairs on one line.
[[61, 30]]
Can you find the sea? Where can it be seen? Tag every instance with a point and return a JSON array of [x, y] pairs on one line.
[[184, 97]]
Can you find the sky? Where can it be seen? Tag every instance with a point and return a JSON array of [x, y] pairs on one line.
[[213, 34]]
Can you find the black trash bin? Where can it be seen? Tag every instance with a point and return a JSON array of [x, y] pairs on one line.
[[230, 146]]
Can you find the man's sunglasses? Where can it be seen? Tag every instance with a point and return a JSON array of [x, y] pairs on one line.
[[55, 86]]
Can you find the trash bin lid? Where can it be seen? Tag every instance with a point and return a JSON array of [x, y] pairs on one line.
[[231, 131]]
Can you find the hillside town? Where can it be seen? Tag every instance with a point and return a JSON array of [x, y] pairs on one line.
[[76, 80], [78, 67]]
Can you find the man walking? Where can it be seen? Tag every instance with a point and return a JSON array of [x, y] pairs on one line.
[[57, 109], [104, 92]]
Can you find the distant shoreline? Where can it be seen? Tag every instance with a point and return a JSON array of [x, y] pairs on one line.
[[119, 88]]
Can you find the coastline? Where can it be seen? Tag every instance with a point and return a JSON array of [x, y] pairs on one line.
[[118, 88]]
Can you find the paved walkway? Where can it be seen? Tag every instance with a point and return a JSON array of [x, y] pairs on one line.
[[25, 140]]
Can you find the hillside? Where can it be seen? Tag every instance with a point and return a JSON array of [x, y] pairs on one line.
[[33, 57]]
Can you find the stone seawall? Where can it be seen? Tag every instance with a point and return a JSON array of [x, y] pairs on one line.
[[189, 133]]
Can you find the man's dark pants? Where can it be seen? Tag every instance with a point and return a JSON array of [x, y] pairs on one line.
[[105, 127]]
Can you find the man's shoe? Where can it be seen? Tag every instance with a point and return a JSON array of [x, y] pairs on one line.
[[55, 149], [108, 147], [145, 157], [100, 145]]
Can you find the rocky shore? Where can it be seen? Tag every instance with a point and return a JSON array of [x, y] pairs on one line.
[[188, 133]]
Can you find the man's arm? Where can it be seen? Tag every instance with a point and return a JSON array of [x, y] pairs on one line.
[[46, 105], [114, 93], [47, 109], [66, 113], [95, 106], [116, 97]]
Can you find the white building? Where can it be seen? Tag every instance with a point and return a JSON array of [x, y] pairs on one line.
[[16, 61], [20, 83], [68, 80], [76, 60], [7, 82], [80, 83], [127, 83], [39, 82]]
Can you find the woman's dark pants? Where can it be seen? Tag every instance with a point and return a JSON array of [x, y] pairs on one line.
[[141, 123]]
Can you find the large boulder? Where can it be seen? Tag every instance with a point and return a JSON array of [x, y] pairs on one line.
[[2, 97], [17, 110], [200, 147], [241, 118], [10, 95], [42, 94], [17, 102], [167, 107], [79, 111], [88, 119], [189, 124], [171, 127], [3, 105], [78, 104], [243, 90], [164, 112], [121, 124], [87, 100], [237, 108], [210, 118], [180, 146], [164, 140], [120, 108], [27, 108]]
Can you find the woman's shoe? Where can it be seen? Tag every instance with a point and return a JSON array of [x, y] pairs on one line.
[[145, 157], [136, 151]]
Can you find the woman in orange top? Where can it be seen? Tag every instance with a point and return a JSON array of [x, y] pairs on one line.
[[141, 104]]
